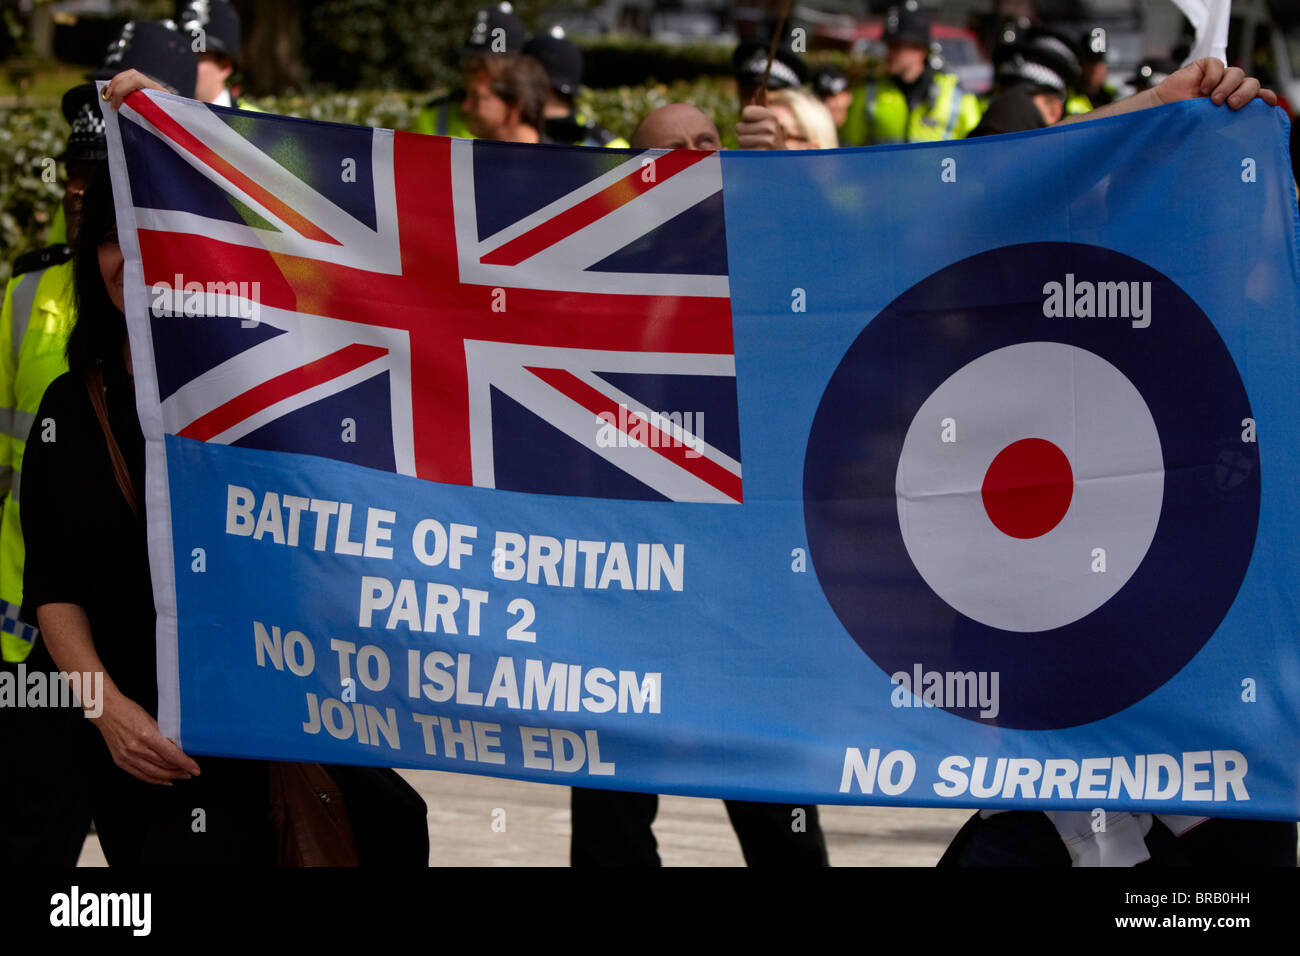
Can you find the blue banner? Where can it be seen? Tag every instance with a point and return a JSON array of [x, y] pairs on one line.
[[446, 438]]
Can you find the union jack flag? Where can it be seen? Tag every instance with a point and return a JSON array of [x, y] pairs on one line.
[[484, 313]]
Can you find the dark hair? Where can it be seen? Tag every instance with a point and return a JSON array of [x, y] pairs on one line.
[[100, 328], [516, 78]]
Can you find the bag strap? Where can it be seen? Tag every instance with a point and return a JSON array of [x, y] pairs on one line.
[[95, 386]]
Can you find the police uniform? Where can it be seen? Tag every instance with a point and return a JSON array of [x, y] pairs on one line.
[[443, 117], [36, 320], [577, 130], [1076, 101], [749, 65], [217, 21], [1043, 60], [157, 49], [563, 63], [38, 311], [1077, 104], [1092, 50], [495, 30], [1030, 64], [58, 233], [882, 113], [44, 804], [886, 110], [1104, 96]]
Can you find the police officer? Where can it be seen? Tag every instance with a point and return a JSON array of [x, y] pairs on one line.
[[38, 313], [563, 63], [44, 812], [147, 41], [1038, 67], [496, 31], [1092, 62], [1063, 45], [156, 48], [831, 86], [35, 321], [213, 29], [749, 61], [912, 101]]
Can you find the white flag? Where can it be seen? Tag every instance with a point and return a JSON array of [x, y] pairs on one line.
[[1210, 21]]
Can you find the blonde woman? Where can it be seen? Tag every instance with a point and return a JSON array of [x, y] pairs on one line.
[[806, 120]]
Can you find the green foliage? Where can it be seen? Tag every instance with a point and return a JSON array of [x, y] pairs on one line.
[[28, 137], [405, 44], [386, 109], [629, 60], [46, 85], [392, 44], [372, 43], [620, 109]]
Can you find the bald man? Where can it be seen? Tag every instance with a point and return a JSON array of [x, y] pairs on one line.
[[676, 126], [682, 126], [612, 828]]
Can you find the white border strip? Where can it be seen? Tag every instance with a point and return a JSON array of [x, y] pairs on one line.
[[157, 498]]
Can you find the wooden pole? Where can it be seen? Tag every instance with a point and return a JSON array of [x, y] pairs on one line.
[[760, 97]]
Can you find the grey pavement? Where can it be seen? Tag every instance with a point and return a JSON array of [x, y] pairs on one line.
[[485, 821]]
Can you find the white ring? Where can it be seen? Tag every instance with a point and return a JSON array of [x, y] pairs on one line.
[[1096, 417]]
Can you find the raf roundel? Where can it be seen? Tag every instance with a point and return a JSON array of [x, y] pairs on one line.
[[1001, 522], [997, 482]]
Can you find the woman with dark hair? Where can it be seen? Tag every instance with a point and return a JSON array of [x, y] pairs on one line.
[[87, 583], [88, 586]]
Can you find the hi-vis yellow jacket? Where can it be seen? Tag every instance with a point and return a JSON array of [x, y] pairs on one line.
[[35, 322], [879, 114], [442, 118]]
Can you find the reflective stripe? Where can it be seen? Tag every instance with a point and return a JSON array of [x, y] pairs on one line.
[[954, 111], [22, 424], [441, 120], [869, 113], [24, 299], [14, 626], [17, 423]]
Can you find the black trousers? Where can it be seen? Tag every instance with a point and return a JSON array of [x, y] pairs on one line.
[[58, 774], [613, 828], [220, 818], [44, 797]]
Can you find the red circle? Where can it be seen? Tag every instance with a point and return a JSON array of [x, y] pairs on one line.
[[1027, 489]]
